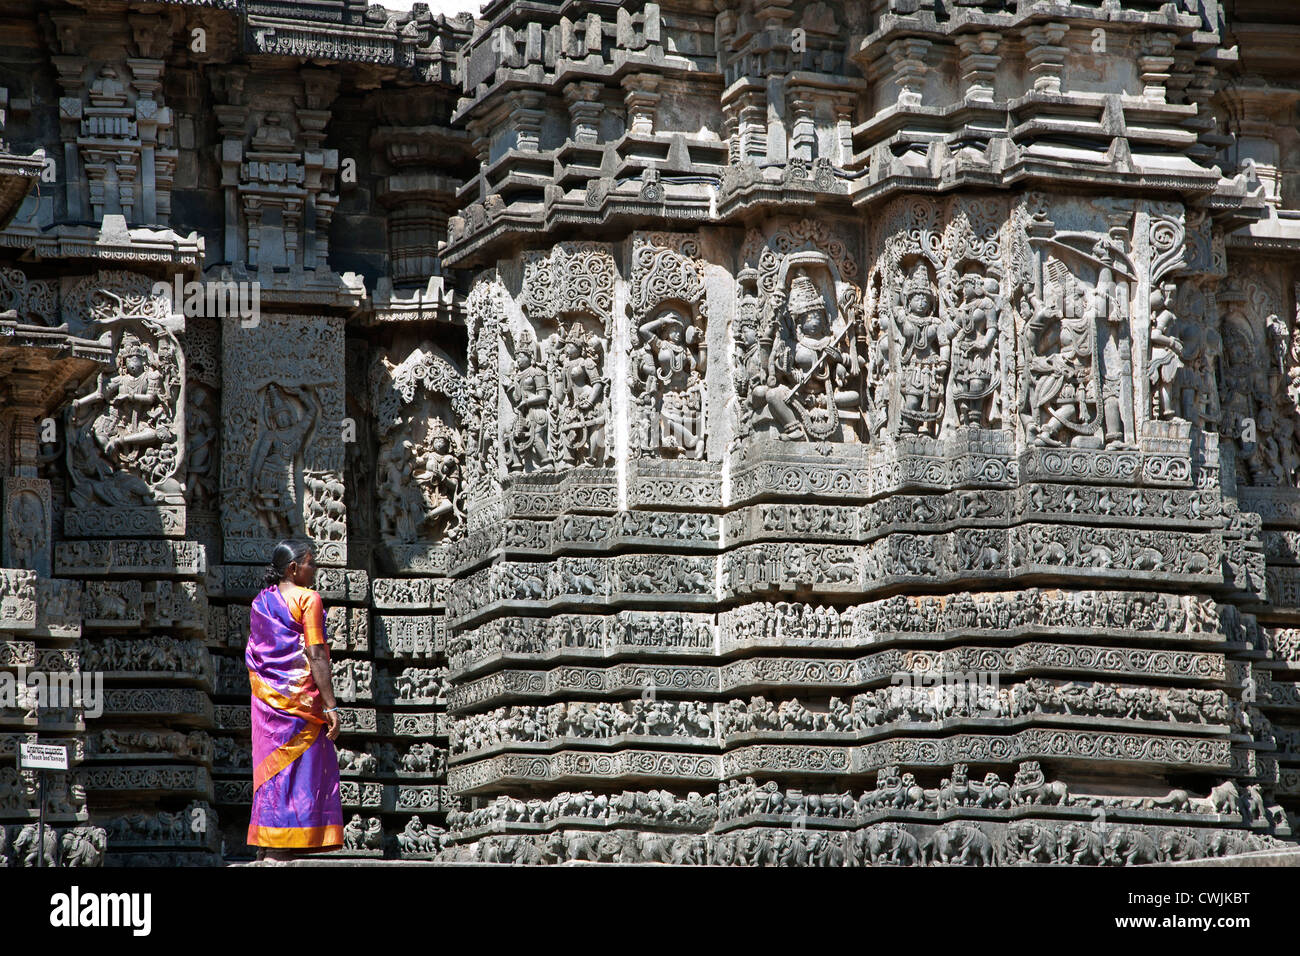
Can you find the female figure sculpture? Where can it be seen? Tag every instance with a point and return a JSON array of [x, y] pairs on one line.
[[669, 377]]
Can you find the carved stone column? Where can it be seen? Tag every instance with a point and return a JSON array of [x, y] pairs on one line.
[[908, 56], [979, 63], [1046, 55]]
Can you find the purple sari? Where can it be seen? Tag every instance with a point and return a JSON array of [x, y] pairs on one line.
[[295, 768]]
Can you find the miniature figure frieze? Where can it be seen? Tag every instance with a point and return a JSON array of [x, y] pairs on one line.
[[579, 366]]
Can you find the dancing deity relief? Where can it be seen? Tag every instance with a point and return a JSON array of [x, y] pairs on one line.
[[924, 356], [529, 393], [668, 374], [438, 478], [583, 398], [813, 368], [123, 449], [276, 459]]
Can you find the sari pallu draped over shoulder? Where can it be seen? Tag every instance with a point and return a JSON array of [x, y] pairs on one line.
[[295, 767]]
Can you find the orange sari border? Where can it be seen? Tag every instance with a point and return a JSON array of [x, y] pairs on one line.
[[299, 705], [280, 758], [296, 837]]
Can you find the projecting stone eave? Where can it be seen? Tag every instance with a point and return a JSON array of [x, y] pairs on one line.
[[616, 216], [17, 175], [924, 23], [111, 241], [535, 79], [38, 363], [438, 302]]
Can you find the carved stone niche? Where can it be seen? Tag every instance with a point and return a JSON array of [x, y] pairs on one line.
[[667, 361], [799, 359], [421, 405], [557, 415], [1102, 381], [1259, 396], [27, 525], [202, 347], [940, 336], [125, 433], [17, 600], [282, 437]]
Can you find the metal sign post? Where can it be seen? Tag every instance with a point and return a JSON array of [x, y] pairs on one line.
[[42, 757]]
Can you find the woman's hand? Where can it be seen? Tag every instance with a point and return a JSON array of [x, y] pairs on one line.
[[333, 725]]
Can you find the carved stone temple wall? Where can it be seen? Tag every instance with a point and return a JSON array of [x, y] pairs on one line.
[[773, 433]]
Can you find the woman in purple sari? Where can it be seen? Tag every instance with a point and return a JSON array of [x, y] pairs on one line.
[[296, 806]]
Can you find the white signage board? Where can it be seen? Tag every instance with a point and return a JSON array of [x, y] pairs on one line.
[[42, 757]]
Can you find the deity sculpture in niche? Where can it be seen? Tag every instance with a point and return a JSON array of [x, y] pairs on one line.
[[1258, 412], [421, 451], [1194, 391], [123, 447], [25, 528], [397, 496], [976, 376], [814, 366], [668, 357], [420, 485], [583, 408], [1079, 360], [925, 352], [1165, 367], [668, 382], [529, 392], [439, 479], [289, 415], [201, 426], [1063, 388], [1109, 305], [749, 368]]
